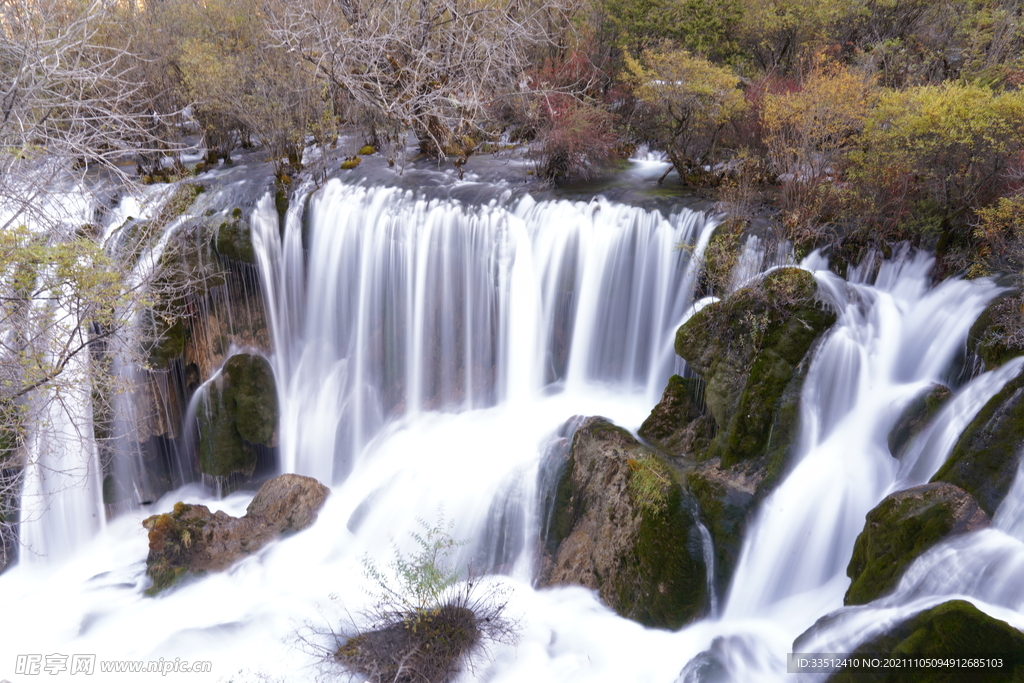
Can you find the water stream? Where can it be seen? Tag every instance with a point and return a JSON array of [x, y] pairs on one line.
[[429, 353]]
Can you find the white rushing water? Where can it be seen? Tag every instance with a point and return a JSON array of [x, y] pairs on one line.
[[427, 354]]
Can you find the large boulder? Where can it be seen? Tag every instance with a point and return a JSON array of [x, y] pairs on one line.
[[237, 412], [192, 540], [900, 529], [748, 348], [622, 525], [739, 419], [985, 459], [953, 629]]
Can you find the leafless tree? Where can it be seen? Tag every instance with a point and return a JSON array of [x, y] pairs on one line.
[[69, 100], [436, 67], [72, 117]]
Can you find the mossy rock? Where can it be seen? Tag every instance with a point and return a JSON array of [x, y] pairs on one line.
[[168, 343], [623, 525], [281, 201], [916, 417], [190, 540], [953, 629], [725, 504], [234, 241], [349, 164], [666, 426], [984, 460], [990, 338], [238, 411], [748, 348], [366, 150], [900, 529]]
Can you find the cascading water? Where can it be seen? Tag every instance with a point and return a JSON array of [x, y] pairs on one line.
[[428, 355], [892, 340], [410, 306]]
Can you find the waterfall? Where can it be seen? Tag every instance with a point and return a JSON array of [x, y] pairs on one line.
[[432, 360], [892, 339], [409, 306]]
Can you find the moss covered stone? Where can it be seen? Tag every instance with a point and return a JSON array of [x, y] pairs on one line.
[[624, 526], [748, 348], [916, 417], [992, 339], [234, 241], [191, 540], [238, 410], [349, 164], [952, 629], [985, 458], [900, 529], [668, 427], [367, 150]]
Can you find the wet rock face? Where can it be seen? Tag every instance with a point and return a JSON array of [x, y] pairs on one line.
[[748, 348], [953, 629], [916, 417], [734, 428], [238, 411], [233, 240], [984, 461], [674, 425], [620, 525], [192, 540], [990, 339], [900, 529]]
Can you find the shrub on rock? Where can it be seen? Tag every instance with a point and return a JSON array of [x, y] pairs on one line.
[[425, 626]]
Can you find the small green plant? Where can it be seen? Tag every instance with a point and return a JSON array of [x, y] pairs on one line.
[[648, 483], [419, 581], [426, 623]]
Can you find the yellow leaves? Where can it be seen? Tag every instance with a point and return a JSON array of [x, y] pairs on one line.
[[951, 113], [809, 129], [687, 87]]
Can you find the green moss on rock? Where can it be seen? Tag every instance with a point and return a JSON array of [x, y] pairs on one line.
[[984, 460], [748, 348], [991, 338], [234, 241], [666, 426], [916, 417], [622, 525], [900, 529], [238, 410], [952, 629]]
